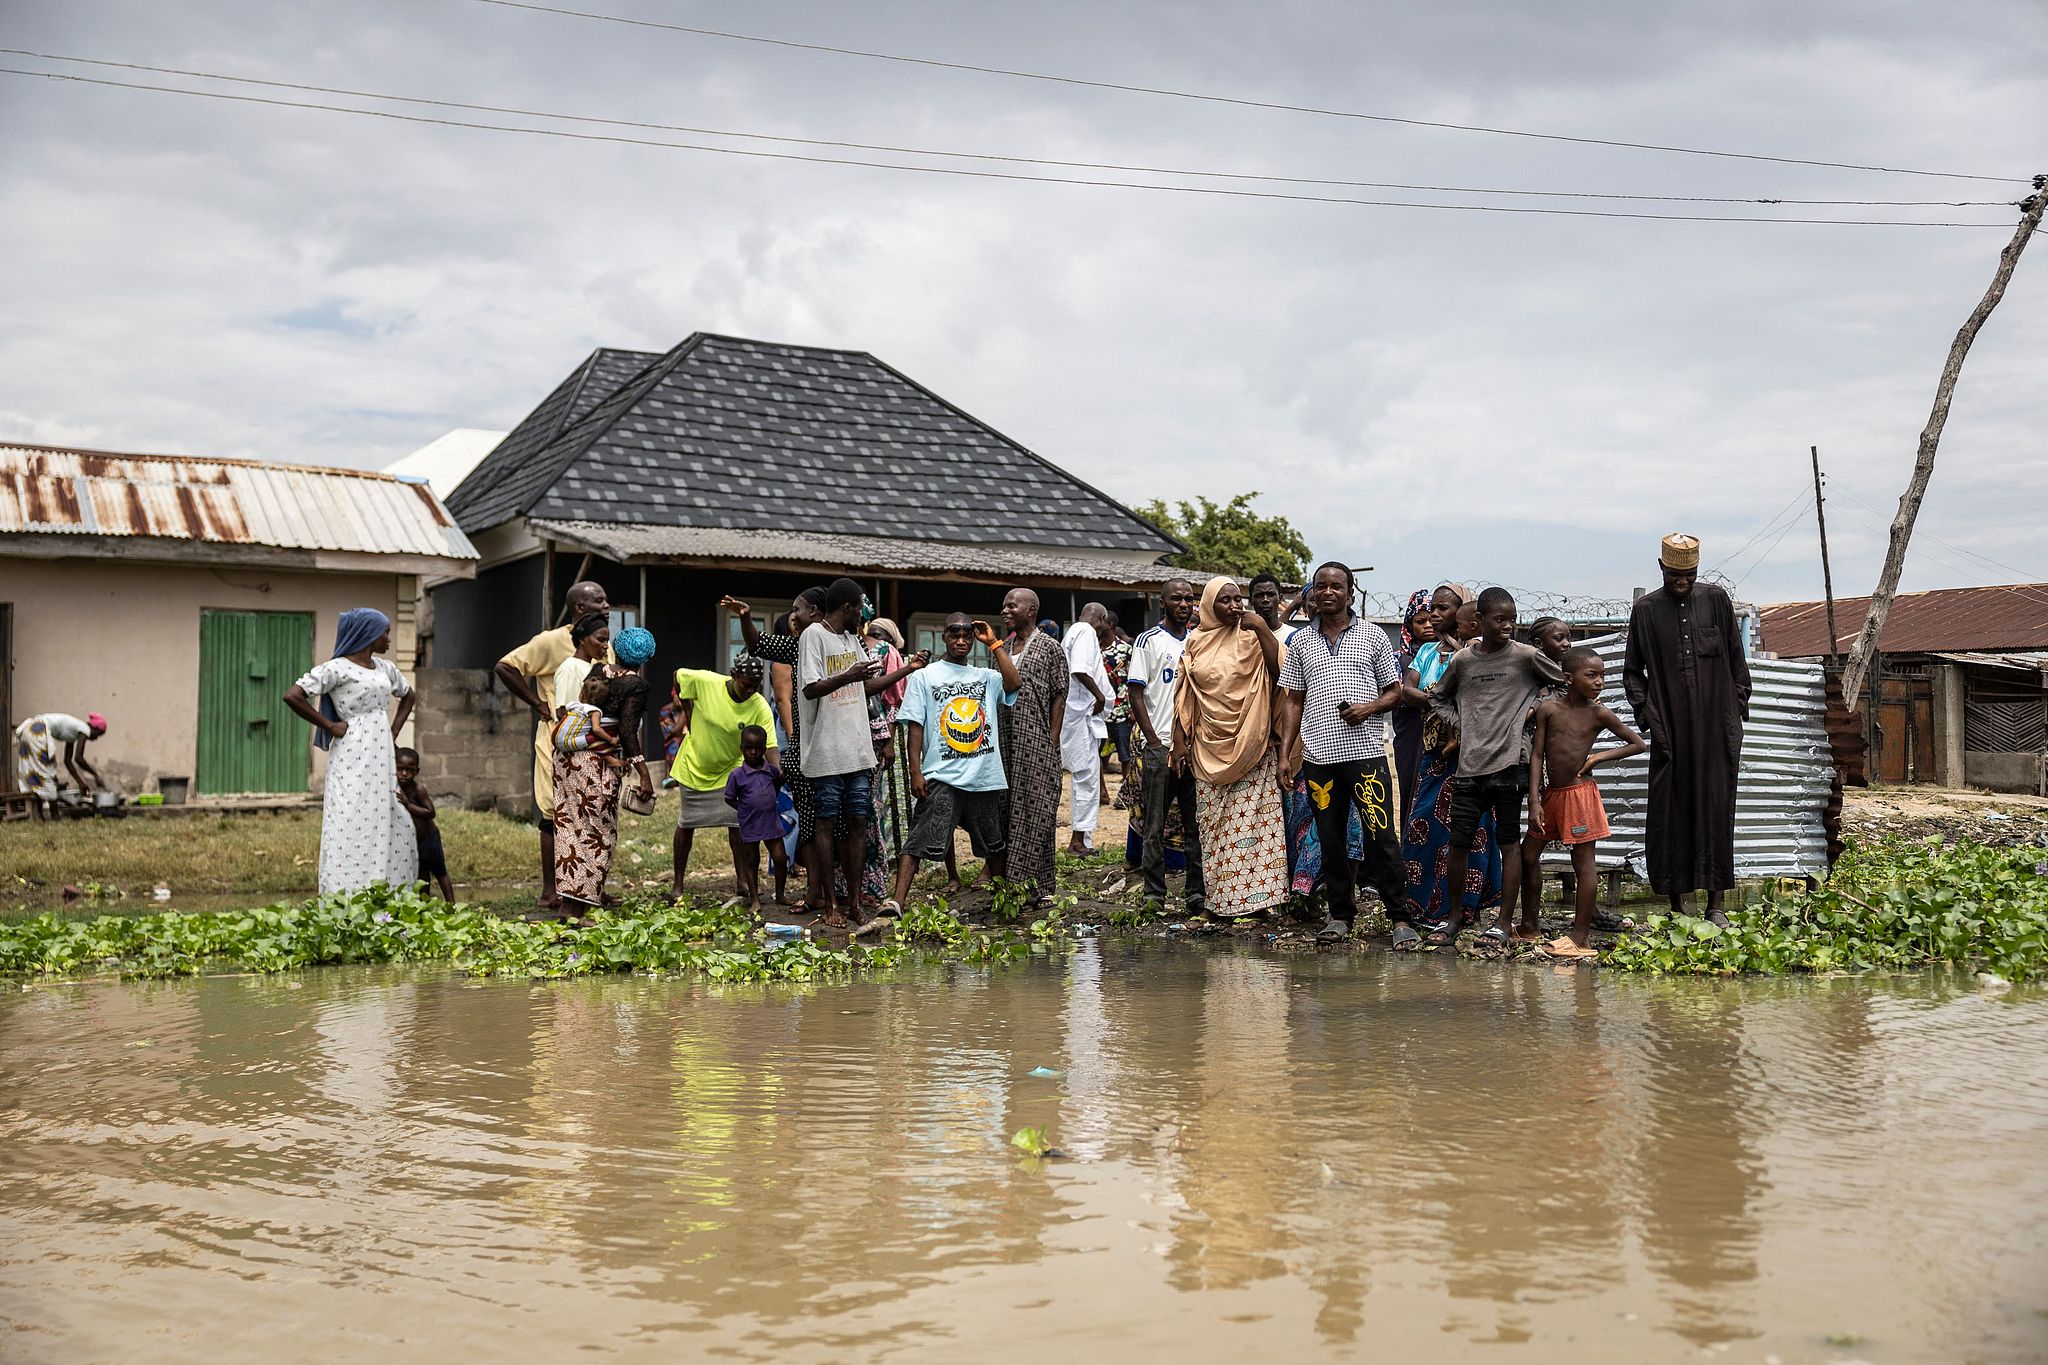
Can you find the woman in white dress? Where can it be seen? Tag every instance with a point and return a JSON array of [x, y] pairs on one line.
[[366, 836]]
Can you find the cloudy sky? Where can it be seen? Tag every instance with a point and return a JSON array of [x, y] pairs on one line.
[[1513, 398]]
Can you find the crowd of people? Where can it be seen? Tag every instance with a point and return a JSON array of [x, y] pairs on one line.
[[1263, 757]]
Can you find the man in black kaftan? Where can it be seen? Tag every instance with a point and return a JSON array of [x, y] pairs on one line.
[[1688, 682]]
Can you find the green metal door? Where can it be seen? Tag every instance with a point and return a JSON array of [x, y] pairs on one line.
[[249, 741]]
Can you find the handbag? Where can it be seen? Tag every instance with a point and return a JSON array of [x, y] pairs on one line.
[[630, 799]]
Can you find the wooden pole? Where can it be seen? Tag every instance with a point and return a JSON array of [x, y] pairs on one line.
[[1827, 575], [1865, 650], [547, 586]]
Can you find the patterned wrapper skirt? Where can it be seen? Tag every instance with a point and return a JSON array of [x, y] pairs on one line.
[[1244, 841], [586, 823]]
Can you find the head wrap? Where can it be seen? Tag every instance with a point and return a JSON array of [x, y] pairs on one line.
[[883, 626], [357, 629], [97, 722], [633, 646], [580, 629], [354, 631], [746, 666], [867, 608], [1224, 696], [1050, 627], [1418, 603]]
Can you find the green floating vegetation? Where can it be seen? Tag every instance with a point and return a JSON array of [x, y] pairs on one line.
[[380, 925], [1890, 906]]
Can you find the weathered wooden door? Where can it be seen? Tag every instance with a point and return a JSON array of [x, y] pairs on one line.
[[249, 741], [1904, 742]]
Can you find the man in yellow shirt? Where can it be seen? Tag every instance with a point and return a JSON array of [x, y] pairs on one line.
[[528, 673]]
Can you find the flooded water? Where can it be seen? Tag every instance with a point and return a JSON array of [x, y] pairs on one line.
[[1270, 1158]]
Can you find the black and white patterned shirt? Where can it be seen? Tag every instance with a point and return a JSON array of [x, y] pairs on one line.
[[1357, 666]]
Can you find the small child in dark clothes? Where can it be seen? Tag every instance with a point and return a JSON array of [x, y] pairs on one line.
[[1564, 801], [750, 790], [420, 806]]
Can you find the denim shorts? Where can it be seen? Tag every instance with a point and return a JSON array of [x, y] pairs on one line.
[[847, 796]]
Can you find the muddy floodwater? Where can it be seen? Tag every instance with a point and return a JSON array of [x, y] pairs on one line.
[[1268, 1157]]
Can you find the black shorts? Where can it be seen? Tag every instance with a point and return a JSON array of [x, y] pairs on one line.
[[1500, 793], [984, 815], [433, 858]]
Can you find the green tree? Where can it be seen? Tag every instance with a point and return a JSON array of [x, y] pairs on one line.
[[1229, 537]]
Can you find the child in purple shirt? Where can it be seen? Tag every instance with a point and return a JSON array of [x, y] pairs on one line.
[[750, 790]]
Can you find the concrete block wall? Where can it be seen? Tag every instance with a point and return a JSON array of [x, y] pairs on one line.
[[475, 741]]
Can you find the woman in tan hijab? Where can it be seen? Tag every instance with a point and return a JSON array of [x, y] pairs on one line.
[[1223, 732]]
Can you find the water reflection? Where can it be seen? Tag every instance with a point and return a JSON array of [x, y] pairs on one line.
[[1308, 1154]]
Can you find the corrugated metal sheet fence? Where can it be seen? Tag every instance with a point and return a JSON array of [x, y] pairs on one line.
[[1781, 792]]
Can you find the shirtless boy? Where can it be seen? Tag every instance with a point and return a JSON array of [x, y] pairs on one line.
[[1564, 800]]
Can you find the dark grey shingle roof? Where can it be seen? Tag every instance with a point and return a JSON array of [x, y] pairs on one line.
[[725, 432], [506, 481]]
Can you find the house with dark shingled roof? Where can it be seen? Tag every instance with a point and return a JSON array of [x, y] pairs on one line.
[[754, 468]]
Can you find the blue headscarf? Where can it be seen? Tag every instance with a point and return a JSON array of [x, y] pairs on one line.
[[633, 646], [356, 630]]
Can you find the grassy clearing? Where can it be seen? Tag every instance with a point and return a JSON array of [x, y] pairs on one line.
[[117, 863]]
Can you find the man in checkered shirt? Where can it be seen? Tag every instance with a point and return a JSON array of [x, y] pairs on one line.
[[1340, 674]]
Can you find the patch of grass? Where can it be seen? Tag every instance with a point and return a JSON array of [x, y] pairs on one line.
[[1889, 906], [491, 858]]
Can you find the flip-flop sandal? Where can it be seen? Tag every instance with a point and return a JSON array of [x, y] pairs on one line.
[[1405, 938], [1564, 950], [1492, 938], [1443, 936]]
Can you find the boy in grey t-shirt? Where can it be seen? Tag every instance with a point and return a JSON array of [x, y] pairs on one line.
[[1487, 691]]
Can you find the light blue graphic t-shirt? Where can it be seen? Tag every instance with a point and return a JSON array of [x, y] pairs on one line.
[[956, 706]]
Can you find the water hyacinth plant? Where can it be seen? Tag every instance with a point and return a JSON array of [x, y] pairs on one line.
[[379, 925], [1889, 906]]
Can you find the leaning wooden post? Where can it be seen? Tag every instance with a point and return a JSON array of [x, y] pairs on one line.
[[1865, 648]]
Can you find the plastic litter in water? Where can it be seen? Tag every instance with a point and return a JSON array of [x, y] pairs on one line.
[[1046, 1073], [777, 929]]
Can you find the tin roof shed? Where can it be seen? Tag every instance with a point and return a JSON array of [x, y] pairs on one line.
[[63, 503]]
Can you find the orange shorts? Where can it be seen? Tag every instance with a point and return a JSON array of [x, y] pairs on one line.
[[1574, 814]]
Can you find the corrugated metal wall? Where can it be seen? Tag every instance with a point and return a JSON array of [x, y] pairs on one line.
[[1781, 792]]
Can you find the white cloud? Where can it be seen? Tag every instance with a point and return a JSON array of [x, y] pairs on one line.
[[1532, 400]]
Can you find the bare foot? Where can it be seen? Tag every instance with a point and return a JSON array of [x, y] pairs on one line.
[[1528, 933], [786, 901], [833, 919]]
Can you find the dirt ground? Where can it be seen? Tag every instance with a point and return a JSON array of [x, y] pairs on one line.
[[1921, 812]]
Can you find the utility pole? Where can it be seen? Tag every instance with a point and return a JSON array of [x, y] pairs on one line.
[[1865, 650], [1827, 575]]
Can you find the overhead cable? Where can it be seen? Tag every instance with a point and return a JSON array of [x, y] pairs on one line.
[[1225, 99], [990, 156], [1216, 191]]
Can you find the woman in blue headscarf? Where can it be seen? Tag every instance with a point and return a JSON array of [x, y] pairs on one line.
[[366, 836], [588, 782]]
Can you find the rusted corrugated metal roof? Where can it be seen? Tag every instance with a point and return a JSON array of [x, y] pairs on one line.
[[2011, 616], [633, 543], [2022, 663], [54, 491]]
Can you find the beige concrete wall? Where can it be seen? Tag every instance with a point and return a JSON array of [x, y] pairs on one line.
[[123, 639]]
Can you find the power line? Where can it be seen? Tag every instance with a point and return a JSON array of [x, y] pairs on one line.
[[2017, 589], [1986, 559], [974, 174], [990, 156], [1224, 99], [1797, 504]]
